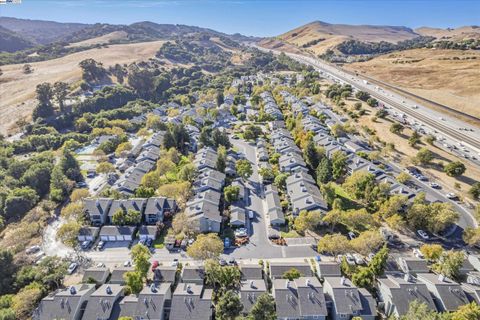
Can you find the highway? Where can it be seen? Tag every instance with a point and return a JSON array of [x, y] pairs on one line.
[[467, 136]]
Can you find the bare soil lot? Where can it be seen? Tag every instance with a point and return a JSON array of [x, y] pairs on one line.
[[17, 90]]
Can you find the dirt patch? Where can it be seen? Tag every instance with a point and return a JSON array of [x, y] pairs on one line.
[[17, 90]]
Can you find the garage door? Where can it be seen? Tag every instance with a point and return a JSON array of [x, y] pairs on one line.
[[127, 238], [81, 238], [104, 238], [143, 236], [89, 238], [112, 238]]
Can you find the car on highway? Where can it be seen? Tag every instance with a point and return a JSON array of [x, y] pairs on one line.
[[435, 185], [451, 196], [72, 267], [422, 234]]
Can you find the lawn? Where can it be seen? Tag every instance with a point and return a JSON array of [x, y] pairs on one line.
[[159, 242], [347, 201], [290, 234]]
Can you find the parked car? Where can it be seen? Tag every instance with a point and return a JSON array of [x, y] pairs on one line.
[[174, 262], [100, 265], [351, 235], [81, 184], [86, 244], [72, 267], [241, 232], [251, 214], [350, 259], [149, 242], [127, 263], [422, 234], [417, 253], [358, 259], [222, 262], [227, 242], [142, 241], [317, 258], [232, 261], [100, 245], [32, 249]]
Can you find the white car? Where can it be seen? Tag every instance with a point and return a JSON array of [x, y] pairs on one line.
[[423, 234], [358, 259], [251, 215], [451, 195], [434, 185], [72, 267], [351, 235], [417, 253], [32, 249], [350, 259], [100, 265], [127, 263]]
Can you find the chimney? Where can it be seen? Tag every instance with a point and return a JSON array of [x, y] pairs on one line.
[[441, 277], [73, 290], [189, 289], [307, 282], [287, 284], [251, 284], [406, 277], [108, 290], [342, 280], [153, 288]]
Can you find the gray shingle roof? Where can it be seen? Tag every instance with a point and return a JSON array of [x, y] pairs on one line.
[[100, 275], [165, 274], [191, 302], [328, 269], [250, 290], [448, 293], [148, 305], [117, 275], [277, 269], [193, 273], [64, 303], [102, 302], [251, 271]]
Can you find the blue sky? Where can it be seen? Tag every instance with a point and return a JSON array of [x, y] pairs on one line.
[[250, 17]]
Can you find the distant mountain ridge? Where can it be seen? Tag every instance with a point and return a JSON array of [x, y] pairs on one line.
[[29, 33]]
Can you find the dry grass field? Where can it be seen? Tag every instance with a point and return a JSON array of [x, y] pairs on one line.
[[17, 90], [105, 39], [449, 77], [458, 34]]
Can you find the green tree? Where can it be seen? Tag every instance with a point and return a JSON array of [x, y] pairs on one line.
[[68, 233], [324, 171], [60, 91], [358, 183], [119, 217], [475, 191], [450, 263], [280, 181], [454, 169], [311, 154], [231, 193], [421, 311], [339, 164], [433, 217], [19, 201], [264, 308], [244, 168], [291, 274], [424, 156], [414, 139], [372, 102], [25, 301], [228, 306], [8, 268], [432, 252], [266, 174], [207, 246], [333, 244], [105, 167], [222, 278], [307, 220], [133, 217], [140, 255], [134, 281], [470, 311], [362, 95], [403, 177], [396, 128]]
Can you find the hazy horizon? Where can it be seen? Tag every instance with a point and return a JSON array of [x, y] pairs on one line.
[[253, 18]]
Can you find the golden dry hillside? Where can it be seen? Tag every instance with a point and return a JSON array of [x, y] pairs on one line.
[[17, 90], [449, 77], [105, 39], [457, 34], [320, 36]]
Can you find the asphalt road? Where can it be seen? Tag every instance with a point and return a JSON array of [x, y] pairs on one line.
[[260, 246]]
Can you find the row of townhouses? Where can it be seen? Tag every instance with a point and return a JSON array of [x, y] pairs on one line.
[[318, 293]]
